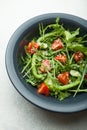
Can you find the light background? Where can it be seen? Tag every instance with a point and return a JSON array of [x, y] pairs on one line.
[[15, 112]]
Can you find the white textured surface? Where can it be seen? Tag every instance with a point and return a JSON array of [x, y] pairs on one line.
[[15, 112]]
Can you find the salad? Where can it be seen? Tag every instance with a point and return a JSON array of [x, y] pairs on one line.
[[55, 62]]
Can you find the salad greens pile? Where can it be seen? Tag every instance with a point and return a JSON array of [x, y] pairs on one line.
[[56, 61]]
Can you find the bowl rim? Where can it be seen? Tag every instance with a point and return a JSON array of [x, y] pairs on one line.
[[11, 69]]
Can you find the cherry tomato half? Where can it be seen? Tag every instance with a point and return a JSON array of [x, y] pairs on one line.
[[32, 47], [57, 44], [63, 78], [62, 58], [45, 65], [43, 89], [78, 56]]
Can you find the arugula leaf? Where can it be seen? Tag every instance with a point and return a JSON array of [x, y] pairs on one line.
[[71, 35]]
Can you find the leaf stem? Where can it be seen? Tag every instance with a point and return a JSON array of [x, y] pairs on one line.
[[81, 80]]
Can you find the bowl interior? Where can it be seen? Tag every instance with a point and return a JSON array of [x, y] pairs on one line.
[[28, 91]]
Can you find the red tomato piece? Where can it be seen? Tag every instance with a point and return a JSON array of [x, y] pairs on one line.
[[43, 89], [85, 77], [62, 58], [22, 44], [45, 65], [32, 47], [57, 44], [78, 56], [63, 78]]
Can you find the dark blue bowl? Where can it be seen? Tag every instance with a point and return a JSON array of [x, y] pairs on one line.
[[29, 29]]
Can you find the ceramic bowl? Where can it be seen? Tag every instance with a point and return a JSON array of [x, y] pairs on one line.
[[29, 29]]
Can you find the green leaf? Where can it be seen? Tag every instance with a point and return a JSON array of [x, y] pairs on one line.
[[70, 36], [63, 95]]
